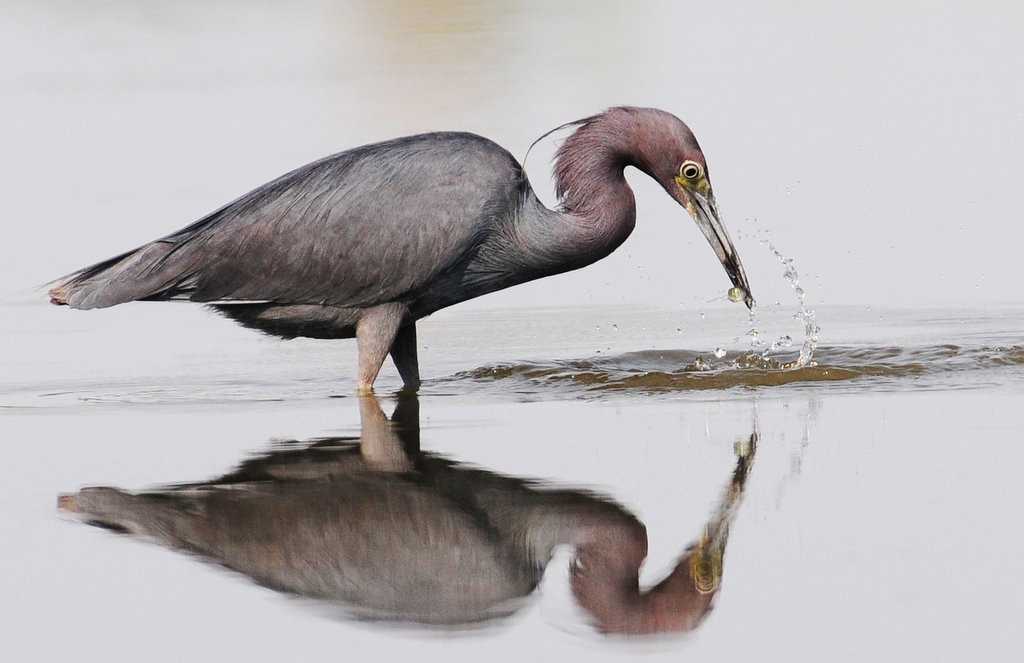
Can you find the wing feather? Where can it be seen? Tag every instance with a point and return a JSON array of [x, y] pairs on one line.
[[355, 229]]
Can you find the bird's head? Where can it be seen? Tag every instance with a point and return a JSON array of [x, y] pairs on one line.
[[661, 145], [678, 164], [691, 188]]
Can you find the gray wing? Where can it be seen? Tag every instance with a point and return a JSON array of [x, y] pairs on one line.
[[358, 228]]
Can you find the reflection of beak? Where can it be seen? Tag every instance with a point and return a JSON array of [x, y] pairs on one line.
[[705, 213]]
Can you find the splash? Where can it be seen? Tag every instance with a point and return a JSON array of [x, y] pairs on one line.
[[760, 351]]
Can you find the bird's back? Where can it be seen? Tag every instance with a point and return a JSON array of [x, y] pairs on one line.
[[355, 229]]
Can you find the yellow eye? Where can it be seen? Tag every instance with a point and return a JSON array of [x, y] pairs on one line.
[[691, 170]]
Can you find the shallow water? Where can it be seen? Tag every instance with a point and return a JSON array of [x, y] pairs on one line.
[[895, 368], [883, 475], [665, 372]]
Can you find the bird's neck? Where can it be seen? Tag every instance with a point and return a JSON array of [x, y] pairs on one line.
[[605, 582], [594, 197], [561, 239], [599, 213], [596, 209], [582, 229], [610, 547]]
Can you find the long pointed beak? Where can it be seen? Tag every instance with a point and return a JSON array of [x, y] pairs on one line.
[[705, 213]]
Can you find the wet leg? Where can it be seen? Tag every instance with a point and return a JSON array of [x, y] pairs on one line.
[[375, 334], [403, 353]]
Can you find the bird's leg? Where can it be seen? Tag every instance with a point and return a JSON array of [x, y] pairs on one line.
[[375, 334], [403, 353]]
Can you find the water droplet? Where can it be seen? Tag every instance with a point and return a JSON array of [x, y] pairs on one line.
[[804, 315]]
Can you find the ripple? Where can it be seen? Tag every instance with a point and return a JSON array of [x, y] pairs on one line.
[[888, 367]]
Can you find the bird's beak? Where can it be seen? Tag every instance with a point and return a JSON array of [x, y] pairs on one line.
[[701, 206]]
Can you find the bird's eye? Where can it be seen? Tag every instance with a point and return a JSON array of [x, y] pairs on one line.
[[691, 170]]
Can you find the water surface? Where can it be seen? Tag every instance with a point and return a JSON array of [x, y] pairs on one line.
[[880, 472]]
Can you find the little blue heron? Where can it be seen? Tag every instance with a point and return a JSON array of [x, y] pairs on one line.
[[366, 242]]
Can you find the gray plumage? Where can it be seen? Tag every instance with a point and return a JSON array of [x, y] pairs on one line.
[[365, 242]]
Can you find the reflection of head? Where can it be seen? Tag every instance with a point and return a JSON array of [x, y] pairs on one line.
[[605, 583], [605, 573]]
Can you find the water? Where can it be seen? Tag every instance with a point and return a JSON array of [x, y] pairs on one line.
[[879, 466], [762, 351], [804, 315], [926, 367]]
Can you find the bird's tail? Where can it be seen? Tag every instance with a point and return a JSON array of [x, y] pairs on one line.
[[148, 272]]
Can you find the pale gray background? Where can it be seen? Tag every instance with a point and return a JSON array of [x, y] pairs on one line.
[[880, 143]]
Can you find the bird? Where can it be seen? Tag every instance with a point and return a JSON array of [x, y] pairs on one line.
[[366, 242], [388, 532]]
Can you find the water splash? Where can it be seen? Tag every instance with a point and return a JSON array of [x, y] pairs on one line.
[[761, 348]]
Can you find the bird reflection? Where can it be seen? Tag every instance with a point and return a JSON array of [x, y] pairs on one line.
[[393, 533]]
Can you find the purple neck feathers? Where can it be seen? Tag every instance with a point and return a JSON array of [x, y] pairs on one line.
[[589, 167], [589, 164], [597, 210]]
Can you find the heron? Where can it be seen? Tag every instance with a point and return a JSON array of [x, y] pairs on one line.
[[366, 242]]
